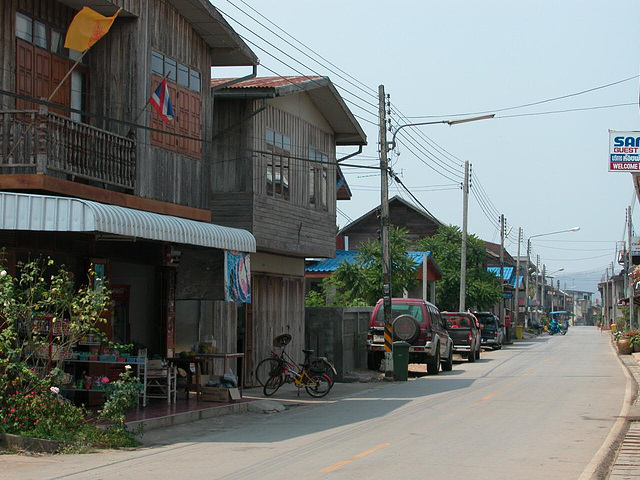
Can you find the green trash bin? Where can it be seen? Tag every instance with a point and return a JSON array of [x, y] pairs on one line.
[[401, 361]]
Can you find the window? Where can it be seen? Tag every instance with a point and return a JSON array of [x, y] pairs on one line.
[[41, 64], [278, 164], [24, 27], [318, 179], [184, 86], [40, 35]]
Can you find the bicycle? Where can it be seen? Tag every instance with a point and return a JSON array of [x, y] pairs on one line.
[[266, 366], [316, 384]]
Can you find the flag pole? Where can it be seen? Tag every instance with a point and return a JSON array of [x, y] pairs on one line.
[[64, 79], [144, 108]]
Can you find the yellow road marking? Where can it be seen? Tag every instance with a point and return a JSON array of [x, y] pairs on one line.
[[483, 399], [335, 466]]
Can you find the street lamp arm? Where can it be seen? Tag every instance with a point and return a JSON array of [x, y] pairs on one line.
[[574, 229], [392, 145]]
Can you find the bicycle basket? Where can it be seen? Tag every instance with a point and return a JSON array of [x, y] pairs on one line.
[[282, 341]]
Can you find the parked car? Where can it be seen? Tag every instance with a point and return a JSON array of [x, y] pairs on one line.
[[418, 323], [492, 333], [464, 330]]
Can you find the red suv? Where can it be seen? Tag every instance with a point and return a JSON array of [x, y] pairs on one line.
[[418, 323]]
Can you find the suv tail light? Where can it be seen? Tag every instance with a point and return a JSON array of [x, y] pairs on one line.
[[370, 337], [470, 337], [496, 335], [428, 335]]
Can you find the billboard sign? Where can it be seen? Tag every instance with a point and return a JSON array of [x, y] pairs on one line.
[[635, 246], [624, 151]]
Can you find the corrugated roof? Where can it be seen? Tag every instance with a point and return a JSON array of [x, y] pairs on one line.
[[20, 211], [349, 256], [266, 82], [508, 275]]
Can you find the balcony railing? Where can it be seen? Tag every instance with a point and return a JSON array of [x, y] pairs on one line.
[[44, 142]]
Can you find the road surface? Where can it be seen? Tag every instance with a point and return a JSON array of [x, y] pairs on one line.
[[539, 409]]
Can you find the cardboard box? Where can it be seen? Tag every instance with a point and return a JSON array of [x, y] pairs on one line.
[[222, 395]]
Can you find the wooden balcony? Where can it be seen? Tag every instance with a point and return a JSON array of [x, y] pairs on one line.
[[51, 144]]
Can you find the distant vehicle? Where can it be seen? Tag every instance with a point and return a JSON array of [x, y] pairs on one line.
[[491, 328], [418, 323], [465, 332]]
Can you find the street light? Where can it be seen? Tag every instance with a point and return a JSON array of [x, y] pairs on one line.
[[465, 196], [437, 122], [572, 229]]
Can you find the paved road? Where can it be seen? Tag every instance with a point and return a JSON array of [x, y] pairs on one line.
[[536, 410]]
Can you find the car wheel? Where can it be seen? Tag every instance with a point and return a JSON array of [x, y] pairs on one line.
[[447, 366], [478, 353], [472, 356], [433, 367]]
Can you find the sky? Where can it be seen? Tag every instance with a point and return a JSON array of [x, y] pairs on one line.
[[544, 172]]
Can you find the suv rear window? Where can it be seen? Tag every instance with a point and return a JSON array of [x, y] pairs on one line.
[[457, 322], [397, 310], [487, 320]]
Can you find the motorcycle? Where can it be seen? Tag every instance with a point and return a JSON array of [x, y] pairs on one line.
[[557, 328]]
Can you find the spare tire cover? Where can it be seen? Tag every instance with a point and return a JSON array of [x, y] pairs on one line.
[[406, 328]]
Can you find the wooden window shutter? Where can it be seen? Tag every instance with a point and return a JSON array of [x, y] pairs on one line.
[[24, 81]]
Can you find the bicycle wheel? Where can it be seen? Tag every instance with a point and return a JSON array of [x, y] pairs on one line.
[[319, 385], [272, 385], [320, 365], [267, 368]]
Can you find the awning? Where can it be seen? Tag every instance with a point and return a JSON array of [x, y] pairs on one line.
[[19, 211]]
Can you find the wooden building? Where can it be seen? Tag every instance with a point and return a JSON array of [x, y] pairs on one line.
[[97, 148], [276, 176], [418, 223]]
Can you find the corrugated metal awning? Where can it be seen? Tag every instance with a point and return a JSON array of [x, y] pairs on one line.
[[19, 211]]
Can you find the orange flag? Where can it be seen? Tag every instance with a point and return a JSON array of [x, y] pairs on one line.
[[87, 27]]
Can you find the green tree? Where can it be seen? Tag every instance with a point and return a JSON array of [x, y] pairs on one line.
[[360, 283], [482, 287]]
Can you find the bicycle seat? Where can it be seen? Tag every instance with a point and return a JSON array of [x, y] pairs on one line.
[[306, 351]]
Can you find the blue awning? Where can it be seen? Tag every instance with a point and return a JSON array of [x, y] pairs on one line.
[[328, 265]]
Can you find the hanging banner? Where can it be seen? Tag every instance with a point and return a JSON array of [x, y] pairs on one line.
[[624, 151], [237, 277]]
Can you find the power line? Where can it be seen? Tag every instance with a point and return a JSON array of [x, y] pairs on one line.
[[531, 104], [600, 107]]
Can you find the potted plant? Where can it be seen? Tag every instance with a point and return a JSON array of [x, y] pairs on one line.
[[624, 343]]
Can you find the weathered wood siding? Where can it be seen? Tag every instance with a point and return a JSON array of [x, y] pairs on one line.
[[400, 215], [120, 84], [289, 226], [52, 12], [278, 307], [163, 174]]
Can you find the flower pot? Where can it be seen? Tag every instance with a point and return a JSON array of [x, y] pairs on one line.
[[636, 347], [624, 346]]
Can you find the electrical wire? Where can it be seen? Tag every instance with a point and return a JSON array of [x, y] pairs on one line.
[[598, 107], [540, 102]]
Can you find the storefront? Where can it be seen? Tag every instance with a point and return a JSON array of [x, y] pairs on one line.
[[154, 266]]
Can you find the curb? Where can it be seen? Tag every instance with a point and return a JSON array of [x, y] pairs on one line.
[[600, 465], [188, 417]]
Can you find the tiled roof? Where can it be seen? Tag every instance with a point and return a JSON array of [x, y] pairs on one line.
[[265, 82], [349, 256]]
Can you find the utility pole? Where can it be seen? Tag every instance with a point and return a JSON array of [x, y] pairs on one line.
[[537, 293], [614, 300], [463, 249], [631, 289], [527, 311], [384, 220], [605, 301], [544, 271], [516, 317], [501, 305]]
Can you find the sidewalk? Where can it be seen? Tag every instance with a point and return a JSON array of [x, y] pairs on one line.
[[626, 465]]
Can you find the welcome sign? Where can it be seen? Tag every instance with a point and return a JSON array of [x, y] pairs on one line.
[[624, 151]]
